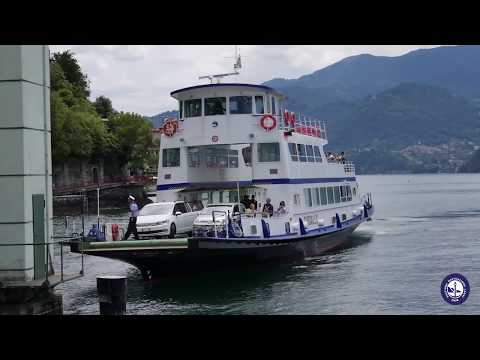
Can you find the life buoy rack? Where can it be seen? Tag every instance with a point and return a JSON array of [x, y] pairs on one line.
[[170, 127], [268, 122]]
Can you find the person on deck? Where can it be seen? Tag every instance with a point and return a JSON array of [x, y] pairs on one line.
[[254, 202], [132, 223], [282, 209], [251, 211], [246, 201], [267, 208]]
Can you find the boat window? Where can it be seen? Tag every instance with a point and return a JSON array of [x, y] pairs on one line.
[[259, 106], [343, 194], [274, 110], [310, 157], [247, 155], [171, 157], [268, 152], [233, 158], [323, 195], [215, 106], [180, 109], [330, 195], [301, 152], [293, 151], [318, 155], [240, 105], [349, 193], [307, 193], [296, 199], [193, 108], [336, 191], [194, 158], [316, 197]]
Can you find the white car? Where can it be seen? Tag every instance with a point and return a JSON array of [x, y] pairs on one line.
[[203, 225], [166, 219]]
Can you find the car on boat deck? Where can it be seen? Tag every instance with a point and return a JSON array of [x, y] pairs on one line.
[[204, 224], [167, 219]]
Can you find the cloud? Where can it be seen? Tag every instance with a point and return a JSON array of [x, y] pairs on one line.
[[139, 78]]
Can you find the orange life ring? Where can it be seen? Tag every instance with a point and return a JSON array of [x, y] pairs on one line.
[[268, 122], [169, 128]]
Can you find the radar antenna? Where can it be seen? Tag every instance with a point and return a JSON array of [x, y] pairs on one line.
[[236, 66]]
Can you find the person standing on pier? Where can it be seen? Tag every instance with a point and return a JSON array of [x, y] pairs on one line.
[[132, 223]]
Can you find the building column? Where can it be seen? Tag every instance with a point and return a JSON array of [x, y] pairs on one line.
[[25, 168]]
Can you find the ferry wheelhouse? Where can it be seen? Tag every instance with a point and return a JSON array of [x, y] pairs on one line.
[[234, 139]]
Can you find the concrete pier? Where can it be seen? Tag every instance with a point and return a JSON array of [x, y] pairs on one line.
[[25, 180]]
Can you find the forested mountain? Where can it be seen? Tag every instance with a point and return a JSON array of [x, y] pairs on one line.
[[413, 113]]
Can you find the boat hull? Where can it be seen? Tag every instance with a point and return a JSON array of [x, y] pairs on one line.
[[193, 259]]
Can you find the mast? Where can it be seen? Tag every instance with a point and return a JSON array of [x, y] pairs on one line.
[[236, 67]]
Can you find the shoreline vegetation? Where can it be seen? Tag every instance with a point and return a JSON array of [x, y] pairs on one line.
[[93, 131]]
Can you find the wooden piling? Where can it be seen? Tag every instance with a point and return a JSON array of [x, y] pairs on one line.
[[112, 294]]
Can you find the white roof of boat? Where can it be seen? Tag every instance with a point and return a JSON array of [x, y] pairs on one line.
[[262, 87]]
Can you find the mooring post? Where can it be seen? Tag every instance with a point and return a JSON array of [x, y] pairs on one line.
[[112, 294]]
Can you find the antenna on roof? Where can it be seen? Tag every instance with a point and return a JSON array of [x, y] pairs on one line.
[[236, 66]]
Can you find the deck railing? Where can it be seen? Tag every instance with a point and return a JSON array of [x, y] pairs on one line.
[[302, 124], [349, 167]]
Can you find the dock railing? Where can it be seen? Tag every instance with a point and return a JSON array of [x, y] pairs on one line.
[[49, 265]]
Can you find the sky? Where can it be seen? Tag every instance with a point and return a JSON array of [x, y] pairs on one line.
[[139, 78]]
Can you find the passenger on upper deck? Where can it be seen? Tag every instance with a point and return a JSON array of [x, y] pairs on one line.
[[282, 209], [254, 202], [331, 157], [267, 208], [246, 201], [251, 210]]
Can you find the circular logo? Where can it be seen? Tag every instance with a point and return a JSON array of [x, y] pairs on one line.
[[214, 124], [455, 289], [214, 138]]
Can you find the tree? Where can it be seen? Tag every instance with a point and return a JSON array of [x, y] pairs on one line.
[[134, 136], [73, 73], [78, 130], [103, 106]]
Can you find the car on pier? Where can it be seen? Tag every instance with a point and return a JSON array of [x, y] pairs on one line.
[[167, 219]]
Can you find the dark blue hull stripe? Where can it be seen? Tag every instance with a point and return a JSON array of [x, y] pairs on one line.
[[225, 184], [330, 229]]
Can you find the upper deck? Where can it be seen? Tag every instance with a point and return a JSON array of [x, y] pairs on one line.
[[229, 113]]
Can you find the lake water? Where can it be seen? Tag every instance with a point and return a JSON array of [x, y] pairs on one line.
[[425, 227]]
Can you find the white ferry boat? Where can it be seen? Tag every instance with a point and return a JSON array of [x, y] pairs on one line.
[[233, 140]]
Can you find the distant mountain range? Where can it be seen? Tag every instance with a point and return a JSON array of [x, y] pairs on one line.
[[419, 112]]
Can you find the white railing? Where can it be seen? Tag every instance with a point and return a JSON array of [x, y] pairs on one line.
[[302, 124], [349, 167]]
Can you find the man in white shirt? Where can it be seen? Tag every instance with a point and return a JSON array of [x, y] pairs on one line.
[[132, 223]]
